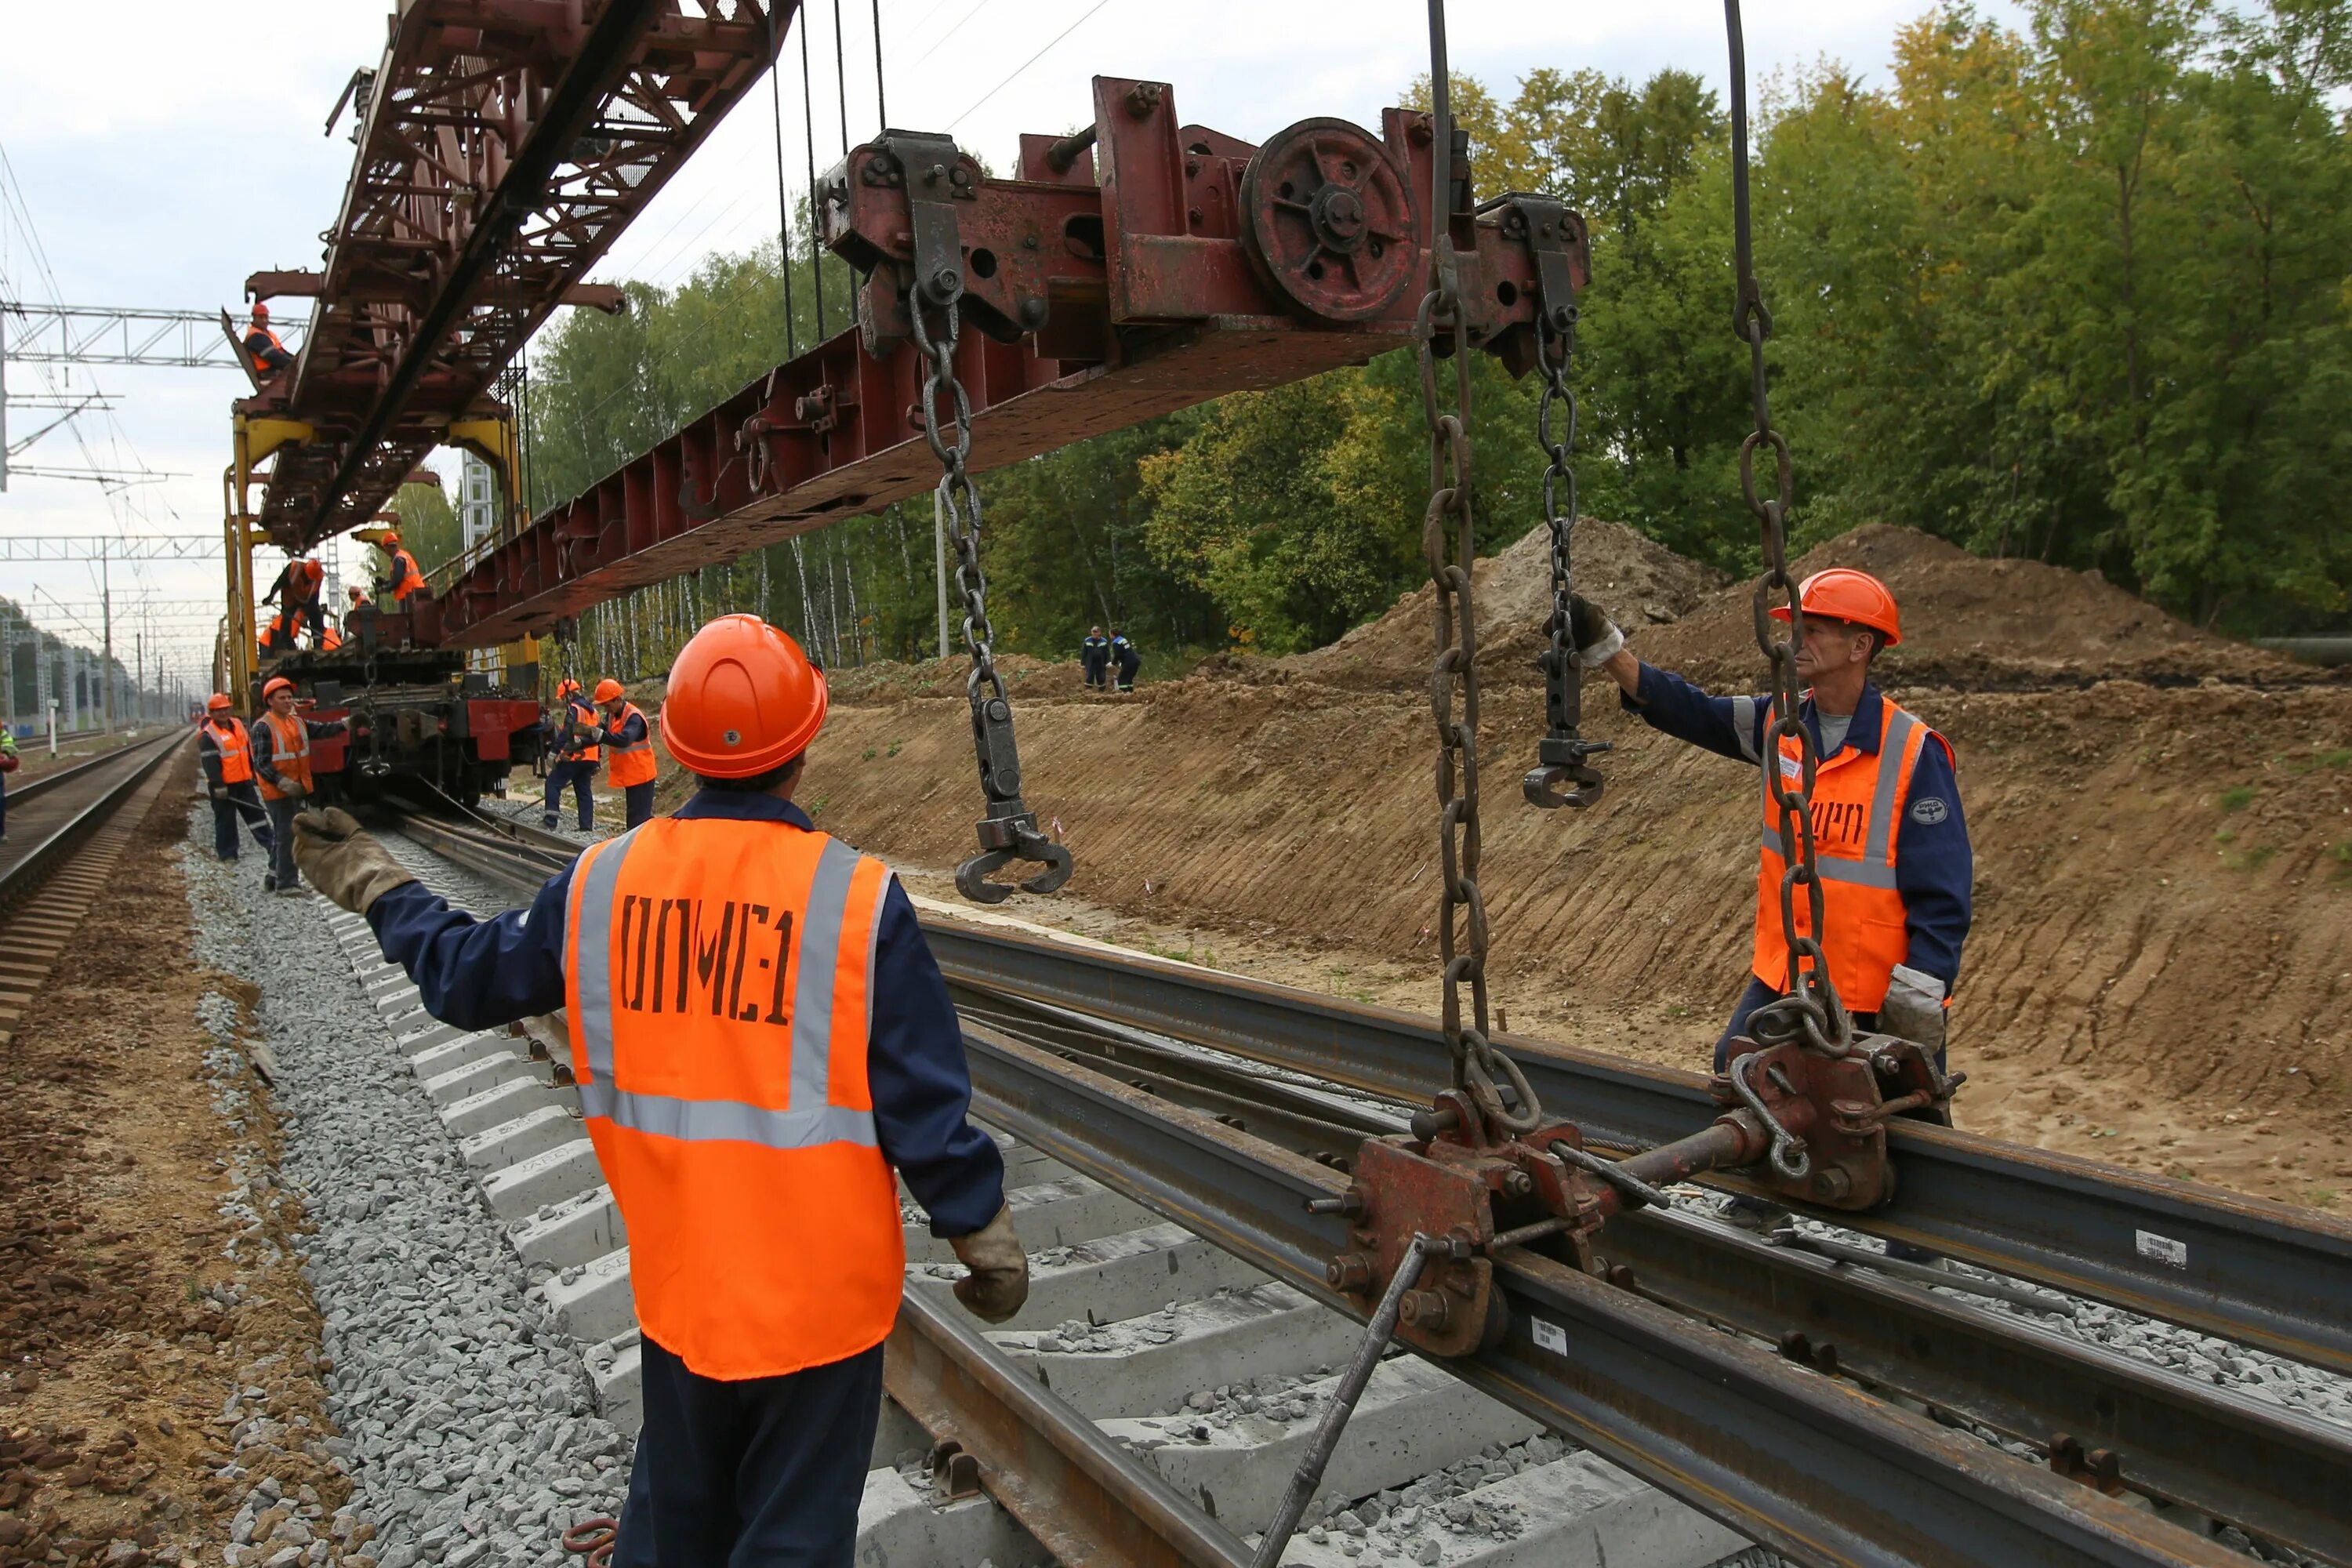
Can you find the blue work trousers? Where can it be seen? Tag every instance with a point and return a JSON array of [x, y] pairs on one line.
[[640, 802], [234, 801], [575, 775], [764, 1473]]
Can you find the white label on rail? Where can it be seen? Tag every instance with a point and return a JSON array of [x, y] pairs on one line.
[[1549, 1336], [2162, 1248]]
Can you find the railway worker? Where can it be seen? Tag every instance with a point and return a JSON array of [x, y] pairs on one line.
[[1124, 655], [1093, 657], [577, 758], [9, 763], [225, 752], [748, 1117], [631, 740], [277, 637], [281, 765], [1892, 843], [402, 579], [267, 355], [295, 594], [358, 599]]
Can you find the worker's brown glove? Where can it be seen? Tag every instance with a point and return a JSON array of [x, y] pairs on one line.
[[344, 861], [999, 1281]]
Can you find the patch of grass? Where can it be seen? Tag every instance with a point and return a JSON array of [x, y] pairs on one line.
[[2260, 856], [2333, 759], [893, 749], [2342, 855], [867, 755], [817, 804], [2320, 1197], [2237, 799], [2227, 836]]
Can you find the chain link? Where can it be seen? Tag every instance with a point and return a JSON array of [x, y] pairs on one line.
[[1449, 541], [1811, 1007]]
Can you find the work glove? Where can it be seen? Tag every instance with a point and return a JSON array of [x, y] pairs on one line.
[[218, 792], [293, 789], [344, 861], [1593, 635], [999, 1281], [1914, 1008]]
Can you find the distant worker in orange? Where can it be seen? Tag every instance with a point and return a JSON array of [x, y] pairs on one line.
[[225, 751], [281, 763], [296, 593], [577, 756], [630, 740], [1892, 846], [402, 578], [277, 637], [747, 1115], [267, 355]]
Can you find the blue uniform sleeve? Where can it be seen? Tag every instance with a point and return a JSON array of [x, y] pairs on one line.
[[1935, 868], [1728, 726], [922, 1084], [477, 973]]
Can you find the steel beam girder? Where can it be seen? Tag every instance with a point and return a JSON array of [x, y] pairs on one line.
[[504, 147], [2242, 1267], [1090, 307]]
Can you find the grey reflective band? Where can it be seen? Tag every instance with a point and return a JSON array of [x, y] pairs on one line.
[[1854, 873], [592, 943], [818, 941], [874, 945], [1743, 719], [1892, 742], [726, 1120]]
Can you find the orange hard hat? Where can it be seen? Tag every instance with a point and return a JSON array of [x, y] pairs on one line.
[[391, 538], [277, 683], [609, 691], [566, 687], [743, 699], [1842, 594], [260, 311], [217, 702]]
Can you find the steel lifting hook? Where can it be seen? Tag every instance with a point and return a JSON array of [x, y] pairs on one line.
[[1025, 843], [1562, 761]]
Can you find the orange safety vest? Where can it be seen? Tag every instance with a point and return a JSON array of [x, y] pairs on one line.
[[289, 745], [258, 367], [404, 567], [717, 978], [1857, 822], [235, 748], [633, 760], [329, 638], [580, 711]]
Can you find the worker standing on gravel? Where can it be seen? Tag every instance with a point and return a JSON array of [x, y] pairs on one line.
[[225, 752], [281, 764], [1892, 846], [747, 1112], [631, 741], [577, 758]]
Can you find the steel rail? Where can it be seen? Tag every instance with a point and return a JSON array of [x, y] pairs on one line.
[[29, 870], [34, 788], [2241, 1268], [2274, 1472], [1073, 1488], [1807, 1464]]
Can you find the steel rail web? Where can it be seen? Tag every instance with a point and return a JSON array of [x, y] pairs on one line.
[[2274, 1472], [2252, 1270], [1808, 1465]]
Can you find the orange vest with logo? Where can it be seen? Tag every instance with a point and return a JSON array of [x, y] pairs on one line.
[[404, 567], [235, 748], [717, 978], [1857, 825], [579, 711], [289, 744], [633, 760]]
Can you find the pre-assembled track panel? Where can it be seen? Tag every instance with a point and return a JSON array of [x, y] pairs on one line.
[[2242, 1267]]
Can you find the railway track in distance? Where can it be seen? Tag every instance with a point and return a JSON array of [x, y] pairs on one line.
[[1831, 1409]]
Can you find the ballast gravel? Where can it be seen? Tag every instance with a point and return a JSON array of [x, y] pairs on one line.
[[468, 1422]]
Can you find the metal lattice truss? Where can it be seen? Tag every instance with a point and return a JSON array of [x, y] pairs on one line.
[[98, 334], [505, 144]]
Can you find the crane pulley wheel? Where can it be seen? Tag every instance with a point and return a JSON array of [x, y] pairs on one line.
[[1330, 220]]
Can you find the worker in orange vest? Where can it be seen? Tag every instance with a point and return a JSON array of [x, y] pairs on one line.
[[296, 593], [577, 756], [267, 355], [748, 1113], [631, 741], [277, 637], [1892, 846], [225, 751], [281, 765], [403, 578]]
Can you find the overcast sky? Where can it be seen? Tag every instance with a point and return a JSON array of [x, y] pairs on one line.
[[161, 163]]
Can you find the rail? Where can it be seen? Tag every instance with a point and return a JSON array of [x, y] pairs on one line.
[[29, 869]]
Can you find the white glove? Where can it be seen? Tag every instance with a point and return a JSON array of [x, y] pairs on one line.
[[1914, 1008]]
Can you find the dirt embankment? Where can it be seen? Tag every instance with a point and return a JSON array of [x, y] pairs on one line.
[[2162, 954]]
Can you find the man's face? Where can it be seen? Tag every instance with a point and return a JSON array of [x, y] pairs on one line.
[[1831, 646], [281, 703], [613, 709]]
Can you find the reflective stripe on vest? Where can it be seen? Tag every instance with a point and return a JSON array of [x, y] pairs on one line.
[[718, 986], [289, 753], [260, 367], [235, 749], [1857, 803], [633, 760]]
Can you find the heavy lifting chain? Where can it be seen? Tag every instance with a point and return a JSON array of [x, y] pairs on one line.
[[1450, 543], [1812, 1007], [1563, 774], [1008, 831]]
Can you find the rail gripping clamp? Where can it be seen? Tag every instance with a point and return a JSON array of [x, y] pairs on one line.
[[1806, 1125]]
